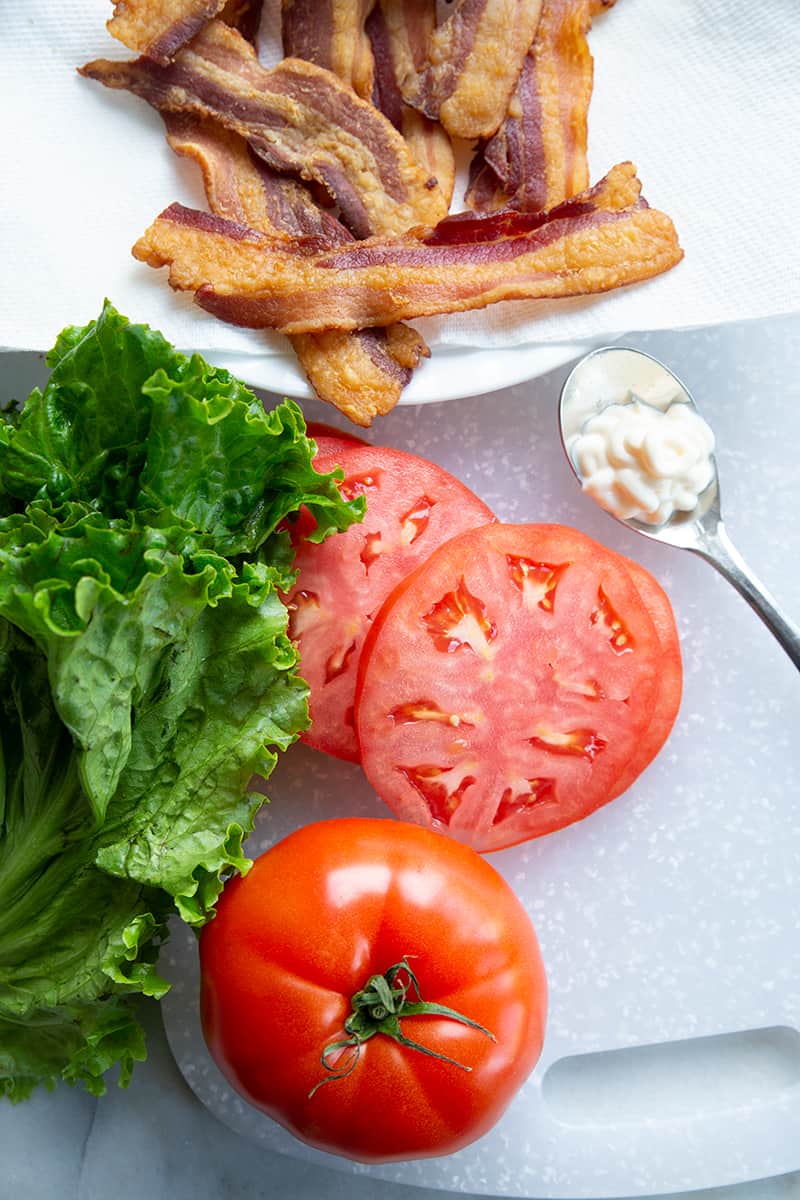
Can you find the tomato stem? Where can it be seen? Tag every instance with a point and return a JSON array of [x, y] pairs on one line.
[[377, 1008]]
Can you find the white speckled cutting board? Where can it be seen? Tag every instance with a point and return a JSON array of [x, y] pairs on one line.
[[669, 919]]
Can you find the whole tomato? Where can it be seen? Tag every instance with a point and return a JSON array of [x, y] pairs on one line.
[[375, 987]]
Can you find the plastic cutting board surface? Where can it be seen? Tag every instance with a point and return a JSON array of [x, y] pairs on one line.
[[668, 920]]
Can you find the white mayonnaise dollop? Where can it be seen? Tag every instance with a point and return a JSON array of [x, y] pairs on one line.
[[644, 461]]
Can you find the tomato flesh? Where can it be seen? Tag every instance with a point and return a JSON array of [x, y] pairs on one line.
[[317, 915], [412, 507], [509, 684], [670, 681]]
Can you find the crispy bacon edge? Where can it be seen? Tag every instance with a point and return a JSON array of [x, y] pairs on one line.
[[362, 373], [604, 238], [296, 116], [472, 63], [537, 158]]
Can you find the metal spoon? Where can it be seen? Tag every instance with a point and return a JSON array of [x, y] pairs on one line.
[[615, 374]]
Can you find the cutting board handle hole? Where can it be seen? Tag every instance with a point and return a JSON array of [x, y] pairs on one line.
[[752, 1068]]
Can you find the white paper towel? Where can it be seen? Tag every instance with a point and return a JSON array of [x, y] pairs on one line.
[[702, 95]]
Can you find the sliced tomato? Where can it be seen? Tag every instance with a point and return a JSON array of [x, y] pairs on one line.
[[412, 507], [321, 432], [668, 697], [508, 685]]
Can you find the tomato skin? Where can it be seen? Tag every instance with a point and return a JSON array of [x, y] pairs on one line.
[[495, 704], [317, 915], [330, 434]]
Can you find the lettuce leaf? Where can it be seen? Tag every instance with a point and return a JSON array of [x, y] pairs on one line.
[[145, 671], [75, 943], [127, 423]]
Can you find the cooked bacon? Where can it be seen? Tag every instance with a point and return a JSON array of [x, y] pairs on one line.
[[398, 32], [331, 34], [245, 15], [362, 373], [158, 28], [537, 158], [241, 187], [604, 238], [299, 118], [473, 60]]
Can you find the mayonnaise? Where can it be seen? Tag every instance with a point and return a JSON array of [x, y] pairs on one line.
[[645, 461]]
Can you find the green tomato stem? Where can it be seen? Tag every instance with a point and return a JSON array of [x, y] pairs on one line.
[[377, 1008]]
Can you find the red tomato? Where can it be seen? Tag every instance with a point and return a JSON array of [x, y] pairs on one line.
[[668, 699], [318, 915], [508, 687], [412, 507], [321, 432]]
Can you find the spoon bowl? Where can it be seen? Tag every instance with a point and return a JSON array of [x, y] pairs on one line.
[[620, 376]]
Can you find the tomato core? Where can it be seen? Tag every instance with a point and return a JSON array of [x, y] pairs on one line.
[[377, 1009]]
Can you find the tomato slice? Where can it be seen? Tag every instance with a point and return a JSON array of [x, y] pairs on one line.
[[670, 676], [412, 507], [508, 685], [322, 433]]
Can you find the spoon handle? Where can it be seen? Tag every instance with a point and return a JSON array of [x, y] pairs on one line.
[[717, 548]]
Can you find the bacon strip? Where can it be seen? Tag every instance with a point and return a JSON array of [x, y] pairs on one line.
[[364, 367], [473, 60], [240, 187], [331, 34], [159, 29], [245, 15], [537, 158], [602, 239], [362, 373], [398, 32], [299, 118]]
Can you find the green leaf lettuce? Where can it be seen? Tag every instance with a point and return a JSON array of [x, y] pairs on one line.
[[145, 673]]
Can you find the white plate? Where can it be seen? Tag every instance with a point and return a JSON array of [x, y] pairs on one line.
[[451, 372]]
